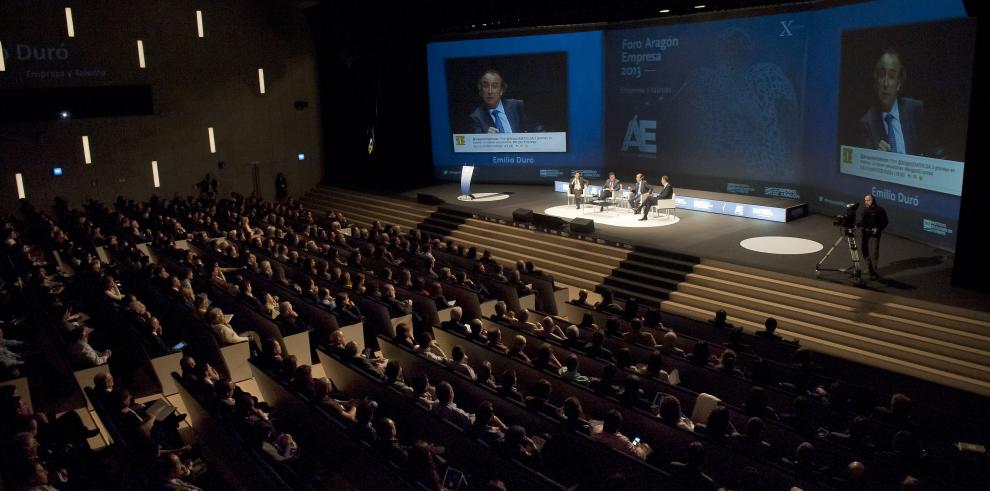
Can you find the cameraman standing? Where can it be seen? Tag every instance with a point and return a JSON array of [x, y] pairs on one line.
[[872, 223]]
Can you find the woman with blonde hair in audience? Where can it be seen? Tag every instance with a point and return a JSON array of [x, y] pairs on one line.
[[222, 329], [269, 305]]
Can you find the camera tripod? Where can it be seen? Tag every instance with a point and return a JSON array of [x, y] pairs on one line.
[[854, 271]]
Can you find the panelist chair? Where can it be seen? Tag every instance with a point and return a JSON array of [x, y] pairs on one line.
[[667, 206], [586, 193], [620, 199]]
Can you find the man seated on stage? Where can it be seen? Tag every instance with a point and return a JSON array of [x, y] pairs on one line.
[[610, 188], [666, 192], [641, 189], [578, 185]]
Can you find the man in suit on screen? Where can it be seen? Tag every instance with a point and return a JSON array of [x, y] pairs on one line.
[[498, 115], [893, 123]]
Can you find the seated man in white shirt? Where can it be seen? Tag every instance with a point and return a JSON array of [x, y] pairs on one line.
[[82, 353], [458, 360], [446, 408]]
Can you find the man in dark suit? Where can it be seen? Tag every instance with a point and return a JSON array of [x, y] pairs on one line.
[[666, 192], [396, 307], [495, 114], [347, 312], [893, 123], [639, 190], [455, 324], [610, 188]]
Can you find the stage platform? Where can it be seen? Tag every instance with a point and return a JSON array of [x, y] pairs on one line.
[[907, 267], [739, 205]]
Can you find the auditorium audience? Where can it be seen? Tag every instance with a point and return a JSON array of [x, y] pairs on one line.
[[297, 246]]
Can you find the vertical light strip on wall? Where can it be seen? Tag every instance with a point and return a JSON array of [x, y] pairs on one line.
[[69, 26], [261, 80], [20, 186], [154, 173], [3, 65], [213, 143], [86, 155], [140, 45], [199, 23]]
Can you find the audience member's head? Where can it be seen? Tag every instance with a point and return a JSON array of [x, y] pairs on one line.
[[445, 393], [612, 421]]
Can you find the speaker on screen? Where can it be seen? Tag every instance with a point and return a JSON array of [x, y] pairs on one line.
[[582, 225], [523, 215], [548, 221]]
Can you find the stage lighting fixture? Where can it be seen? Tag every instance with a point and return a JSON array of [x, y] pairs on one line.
[[301, 156], [154, 174], [140, 50], [64, 115], [87, 157], [70, 26], [199, 23], [20, 185], [57, 171]]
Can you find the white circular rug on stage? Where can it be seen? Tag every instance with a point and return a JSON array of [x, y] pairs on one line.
[[781, 245], [616, 217], [484, 197]]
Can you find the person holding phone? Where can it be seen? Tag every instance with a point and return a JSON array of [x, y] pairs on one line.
[[610, 435]]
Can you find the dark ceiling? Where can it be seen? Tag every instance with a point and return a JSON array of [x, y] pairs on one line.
[[450, 17]]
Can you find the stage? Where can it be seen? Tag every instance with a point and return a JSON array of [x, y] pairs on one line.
[[907, 267]]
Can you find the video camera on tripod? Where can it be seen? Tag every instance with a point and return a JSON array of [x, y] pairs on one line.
[[847, 221]]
